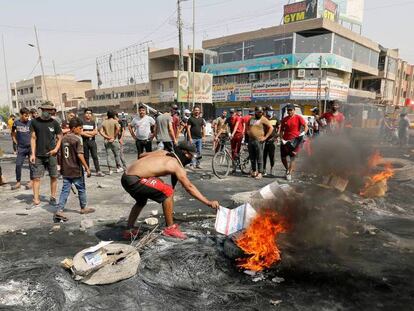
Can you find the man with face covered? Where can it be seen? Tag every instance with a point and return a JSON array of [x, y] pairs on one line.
[[141, 180], [46, 137], [260, 130], [269, 147]]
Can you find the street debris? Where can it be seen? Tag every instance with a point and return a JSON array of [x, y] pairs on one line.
[[278, 280], [230, 221], [86, 224], [276, 302], [152, 221], [105, 263]]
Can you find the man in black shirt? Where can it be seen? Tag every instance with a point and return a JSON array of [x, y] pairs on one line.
[[196, 127], [89, 144], [46, 137]]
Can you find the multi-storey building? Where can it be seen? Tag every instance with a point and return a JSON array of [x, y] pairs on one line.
[[32, 92]]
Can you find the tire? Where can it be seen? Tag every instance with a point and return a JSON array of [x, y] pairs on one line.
[[245, 164], [221, 164]]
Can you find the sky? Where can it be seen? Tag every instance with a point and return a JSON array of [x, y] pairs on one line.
[[73, 33]]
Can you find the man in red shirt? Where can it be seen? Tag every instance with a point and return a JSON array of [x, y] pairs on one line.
[[291, 130], [237, 128], [335, 120]]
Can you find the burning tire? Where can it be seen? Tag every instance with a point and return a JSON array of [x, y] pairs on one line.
[[231, 250], [403, 169]]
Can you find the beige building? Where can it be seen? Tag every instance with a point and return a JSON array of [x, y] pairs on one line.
[[32, 92]]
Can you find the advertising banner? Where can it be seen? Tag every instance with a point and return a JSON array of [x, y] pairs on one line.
[[351, 10], [330, 10], [273, 89], [250, 65], [232, 92], [300, 11], [280, 62], [203, 87], [308, 89]]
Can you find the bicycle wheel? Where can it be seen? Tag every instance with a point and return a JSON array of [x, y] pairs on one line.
[[221, 164], [245, 165]]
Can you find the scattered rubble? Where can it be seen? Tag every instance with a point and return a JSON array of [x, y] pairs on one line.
[[152, 221]]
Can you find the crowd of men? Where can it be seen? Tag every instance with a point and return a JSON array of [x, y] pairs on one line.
[[65, 148]]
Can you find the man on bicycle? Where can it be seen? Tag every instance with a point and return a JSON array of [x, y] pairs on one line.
[[221, 130]]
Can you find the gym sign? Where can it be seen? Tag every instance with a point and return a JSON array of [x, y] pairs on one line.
[[300, 11]]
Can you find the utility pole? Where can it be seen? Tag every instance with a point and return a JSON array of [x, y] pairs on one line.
[[41, 63], [194, 60], [59, 94], [9, 102], [180, 36], [319, 91]]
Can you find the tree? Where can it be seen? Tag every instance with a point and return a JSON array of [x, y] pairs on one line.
[[4, 113]]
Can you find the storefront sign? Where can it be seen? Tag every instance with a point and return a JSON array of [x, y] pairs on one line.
[[280, 62], [308, 89], [300, 11], [232, 92], [203, 87], [273, 89], [330, 10]]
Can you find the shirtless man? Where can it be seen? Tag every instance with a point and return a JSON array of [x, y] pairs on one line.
[[141, 181]]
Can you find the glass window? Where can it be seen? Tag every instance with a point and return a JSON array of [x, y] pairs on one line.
[[313, 43], [381, 63], [283, 45], [343, 47], [392, 65], [374, 59], [268, 47], [230, 53], [361, 54]]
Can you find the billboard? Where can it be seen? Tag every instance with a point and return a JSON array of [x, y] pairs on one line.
[[272, 89], [280, 62], [232, 92], [330, 10], [308, 89], [351, 11], [300, 11], [203, 87]]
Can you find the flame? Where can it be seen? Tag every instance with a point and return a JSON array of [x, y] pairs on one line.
[[376, 185], [259, 241]]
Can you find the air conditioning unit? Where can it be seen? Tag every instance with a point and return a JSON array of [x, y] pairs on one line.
[[253, 77], [301, 73]]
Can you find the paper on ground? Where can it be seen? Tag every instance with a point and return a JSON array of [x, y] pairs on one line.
[[229, 221]]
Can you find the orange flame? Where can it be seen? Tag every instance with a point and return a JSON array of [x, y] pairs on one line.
[[381, 177], [259, 241]]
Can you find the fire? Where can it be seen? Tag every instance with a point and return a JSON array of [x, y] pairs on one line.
[[259, 241], [376, 185]]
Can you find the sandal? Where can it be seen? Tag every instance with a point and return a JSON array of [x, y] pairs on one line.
[[58, 217]]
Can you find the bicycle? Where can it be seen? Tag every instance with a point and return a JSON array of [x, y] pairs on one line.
[[222, 162]]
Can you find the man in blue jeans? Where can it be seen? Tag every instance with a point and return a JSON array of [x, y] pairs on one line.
[[71, 161], [196, 128], [21, 137]]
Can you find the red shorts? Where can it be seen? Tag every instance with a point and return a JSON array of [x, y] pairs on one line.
[[142, 189]]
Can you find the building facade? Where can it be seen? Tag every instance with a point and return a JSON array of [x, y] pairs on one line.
[[307, 63], [57, 89]]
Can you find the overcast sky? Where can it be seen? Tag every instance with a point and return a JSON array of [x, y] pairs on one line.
[[74, 32]]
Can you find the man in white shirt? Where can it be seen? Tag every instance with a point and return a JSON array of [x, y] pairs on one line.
[[142, 130]]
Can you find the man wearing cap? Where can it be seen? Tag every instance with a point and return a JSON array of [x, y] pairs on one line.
[[260, 130], [46, 137], [141, 181], [292, 134], [237, 128]]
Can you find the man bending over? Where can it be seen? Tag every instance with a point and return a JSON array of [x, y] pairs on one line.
[[141, 181]]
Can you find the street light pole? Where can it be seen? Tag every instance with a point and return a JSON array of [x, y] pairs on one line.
[[41, 63], [9, 102], [59, 94], [194, 61]]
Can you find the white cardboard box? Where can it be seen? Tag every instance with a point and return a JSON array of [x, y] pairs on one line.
[[229, 221]]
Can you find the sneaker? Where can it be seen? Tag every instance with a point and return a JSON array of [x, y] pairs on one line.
[[100, 174], [110, 172], [53, 201], [288, 177], [87, 210], [198, 166], [130, 234], [174, 232], [119, 170]]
